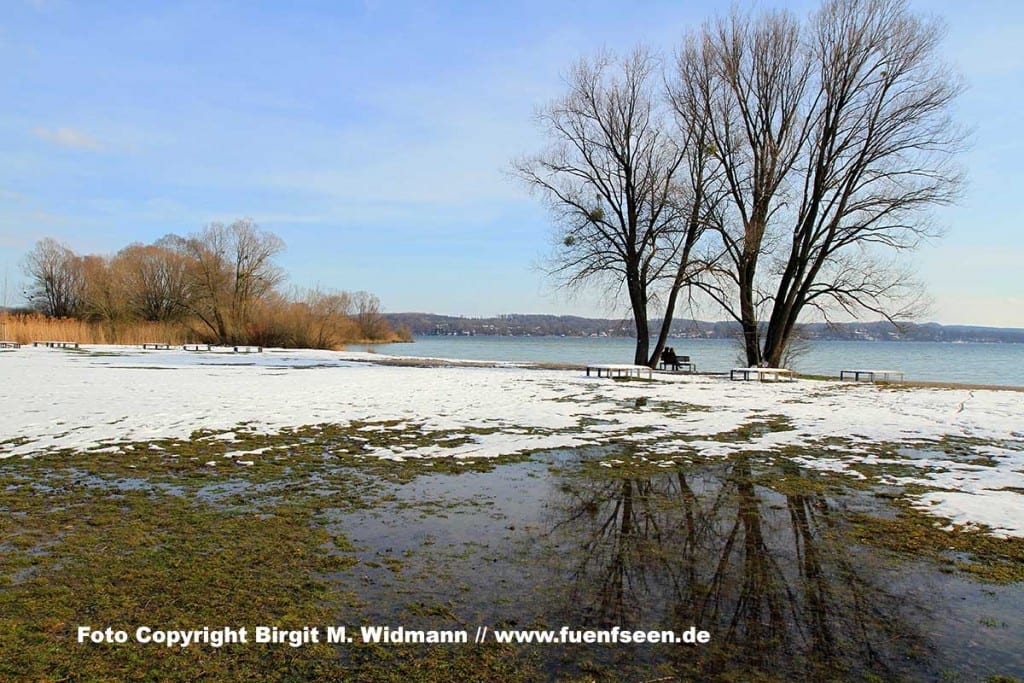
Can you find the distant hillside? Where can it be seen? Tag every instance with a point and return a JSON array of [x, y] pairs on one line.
[[527, 325]]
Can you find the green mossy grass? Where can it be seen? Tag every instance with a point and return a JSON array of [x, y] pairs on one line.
[[149, 534], [914, 534]]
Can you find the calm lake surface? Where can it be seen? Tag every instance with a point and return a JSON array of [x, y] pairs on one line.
[[1001, 364]]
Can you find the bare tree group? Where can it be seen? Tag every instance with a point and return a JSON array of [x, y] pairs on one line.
[[776, 165], [57, 284], [222, 281]]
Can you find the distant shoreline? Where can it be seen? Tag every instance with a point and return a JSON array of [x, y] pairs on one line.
[[685, 336], [528, 325], [968, 364]]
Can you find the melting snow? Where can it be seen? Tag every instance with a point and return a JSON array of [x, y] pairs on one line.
[[80, 400]]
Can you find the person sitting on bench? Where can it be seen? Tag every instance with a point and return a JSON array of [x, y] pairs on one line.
[[669, 358]]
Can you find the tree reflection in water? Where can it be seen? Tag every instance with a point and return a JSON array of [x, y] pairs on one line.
[[768, 574]]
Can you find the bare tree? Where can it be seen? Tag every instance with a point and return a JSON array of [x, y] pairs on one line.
[[833, 139], [367, 314], [155, 279], [611, 181], [702, 192], [56, 279], [105, 295], [221, 281], [879, 158], [329, 312], [230, 268], [748, 79]]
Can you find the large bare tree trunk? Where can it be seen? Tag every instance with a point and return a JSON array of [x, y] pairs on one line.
[[833, 138], [611, 179]]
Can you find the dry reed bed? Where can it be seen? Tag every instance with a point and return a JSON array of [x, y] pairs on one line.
[[27, 329]]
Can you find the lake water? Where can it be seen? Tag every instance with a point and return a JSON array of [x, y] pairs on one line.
[[1001, 364]]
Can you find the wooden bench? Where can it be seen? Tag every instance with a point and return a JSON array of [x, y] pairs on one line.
[[156, 346], [247, 349], [57, 344], [761, 373], [683, 363], [9, 345], [612, 370], [223, 349], [872, 375]]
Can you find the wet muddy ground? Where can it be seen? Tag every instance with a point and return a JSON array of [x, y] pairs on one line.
[[796, 574]]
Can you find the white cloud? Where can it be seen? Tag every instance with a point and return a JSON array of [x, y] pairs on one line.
[[67, 137]]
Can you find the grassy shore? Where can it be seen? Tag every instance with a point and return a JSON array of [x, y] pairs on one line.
[[154, 536], [819, 531]]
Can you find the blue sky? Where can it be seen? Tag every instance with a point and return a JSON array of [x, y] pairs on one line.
[[375, 138]]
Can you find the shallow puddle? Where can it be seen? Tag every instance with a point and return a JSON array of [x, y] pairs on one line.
[[770, 559], [759, 555]]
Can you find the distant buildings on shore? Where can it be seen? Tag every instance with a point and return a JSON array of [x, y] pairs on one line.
[[528, 325]]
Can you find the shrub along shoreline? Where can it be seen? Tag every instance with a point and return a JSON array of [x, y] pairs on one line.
[[220, 285]]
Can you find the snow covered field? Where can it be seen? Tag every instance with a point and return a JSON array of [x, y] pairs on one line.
[[104, 397]]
